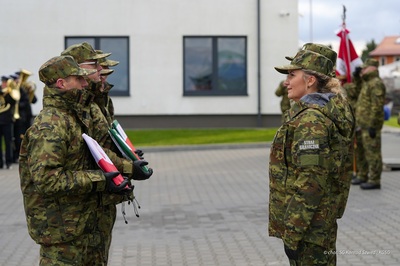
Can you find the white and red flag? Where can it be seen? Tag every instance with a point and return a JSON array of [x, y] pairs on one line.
[[101, 158], [348, 59]]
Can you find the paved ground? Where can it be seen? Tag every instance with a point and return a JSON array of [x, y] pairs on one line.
[[209, 207]]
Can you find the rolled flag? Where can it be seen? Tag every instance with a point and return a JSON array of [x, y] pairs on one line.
[[123, 143], [123, 147], [121, 132], [101, 158]]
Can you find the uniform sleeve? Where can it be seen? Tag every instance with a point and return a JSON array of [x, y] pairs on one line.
[[309, 148], [280, 90], [47, 157], [123, 165], [377, 103], [102, 136]]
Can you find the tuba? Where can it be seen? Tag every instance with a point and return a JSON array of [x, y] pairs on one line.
[[15, 93]]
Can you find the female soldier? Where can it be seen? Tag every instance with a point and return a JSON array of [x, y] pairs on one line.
[[309, 162]]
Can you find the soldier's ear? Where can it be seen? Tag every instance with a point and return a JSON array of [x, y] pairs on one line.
[[311, 81], [60, 83]]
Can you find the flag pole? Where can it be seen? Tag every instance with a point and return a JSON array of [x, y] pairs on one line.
[[346, 38]]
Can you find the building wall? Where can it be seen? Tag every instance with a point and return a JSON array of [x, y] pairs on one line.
[[34, 31]]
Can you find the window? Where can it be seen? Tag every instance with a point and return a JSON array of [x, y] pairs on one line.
[[214, 66], [383, 61], [119, 47]]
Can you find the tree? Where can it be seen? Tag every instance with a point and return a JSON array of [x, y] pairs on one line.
[[370, 47]]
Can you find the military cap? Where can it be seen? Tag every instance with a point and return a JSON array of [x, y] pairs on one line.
[[371, 62], [106, 72], [14, 77], [61, 67], [319, 48], [104, 62], [308, 60], [82, 52], [4, 78]]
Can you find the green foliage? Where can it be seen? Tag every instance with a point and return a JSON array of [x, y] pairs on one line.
[[166, 137], [370, 47]]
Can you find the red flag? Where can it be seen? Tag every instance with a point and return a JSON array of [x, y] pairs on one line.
[[348, 59], [101, 158]]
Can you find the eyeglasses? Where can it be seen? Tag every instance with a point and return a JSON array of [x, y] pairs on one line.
[[89, 63]]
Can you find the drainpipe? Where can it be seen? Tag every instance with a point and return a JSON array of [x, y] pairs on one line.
[[259, 122]]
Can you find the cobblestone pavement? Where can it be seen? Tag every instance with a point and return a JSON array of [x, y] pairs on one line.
[[208, 206]]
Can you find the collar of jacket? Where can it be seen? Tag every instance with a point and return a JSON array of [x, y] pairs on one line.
[[76, 101], [370, 75]]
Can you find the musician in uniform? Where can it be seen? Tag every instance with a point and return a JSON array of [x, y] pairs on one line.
[[6, 121]]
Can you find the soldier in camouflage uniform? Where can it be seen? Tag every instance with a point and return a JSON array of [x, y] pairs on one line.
[[103, 99], [60, 182], [370, 118], [308, 167], [281, 91], [87, 58]]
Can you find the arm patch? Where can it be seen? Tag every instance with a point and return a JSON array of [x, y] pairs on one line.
[[309, 159]]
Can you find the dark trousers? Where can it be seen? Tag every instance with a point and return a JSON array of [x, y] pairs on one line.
[[6, 132], [19, 131]]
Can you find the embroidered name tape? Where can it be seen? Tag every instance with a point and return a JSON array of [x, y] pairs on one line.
[[309, 145]]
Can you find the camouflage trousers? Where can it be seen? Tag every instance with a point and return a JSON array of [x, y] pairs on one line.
[[369, 156], [91, 248], [311, 254]]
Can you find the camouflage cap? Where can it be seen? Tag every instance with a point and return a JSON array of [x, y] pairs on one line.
[[318, 48], [370, 62], [106, 72], [61, 67], [82, 52], [308, 60], [106, 62]]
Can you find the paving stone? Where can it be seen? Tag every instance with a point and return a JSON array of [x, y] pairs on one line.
[[209, 206]]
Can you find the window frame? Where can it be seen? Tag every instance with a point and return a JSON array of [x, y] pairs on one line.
[[97, 41], [214, 41]]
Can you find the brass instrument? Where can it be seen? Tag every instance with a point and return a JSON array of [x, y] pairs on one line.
[[30, 88], [3, 106], [23, 76]]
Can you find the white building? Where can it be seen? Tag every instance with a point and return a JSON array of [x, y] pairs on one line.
[[183, 63]]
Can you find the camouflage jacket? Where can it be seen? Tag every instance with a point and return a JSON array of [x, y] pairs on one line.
[[281, 91], [308, 170], [100, 124], [57, 170], [104, 101], [369, 107]]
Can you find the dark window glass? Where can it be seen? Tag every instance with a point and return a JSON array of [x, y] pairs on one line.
[[119, 47], [215, 66]]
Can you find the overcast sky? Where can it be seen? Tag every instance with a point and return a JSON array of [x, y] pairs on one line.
[[365, 19]]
